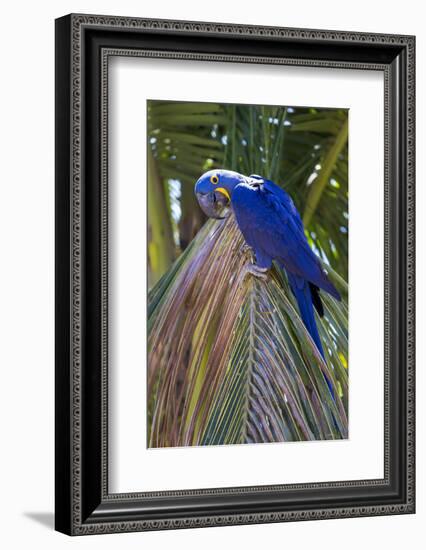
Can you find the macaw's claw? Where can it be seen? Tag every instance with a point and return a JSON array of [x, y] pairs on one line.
[[245, 249], [255, 270], [246, 252]]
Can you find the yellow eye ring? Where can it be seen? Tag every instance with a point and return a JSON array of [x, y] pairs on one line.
[[214, 179]]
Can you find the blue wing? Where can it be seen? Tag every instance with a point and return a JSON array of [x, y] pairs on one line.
[[271, 225]]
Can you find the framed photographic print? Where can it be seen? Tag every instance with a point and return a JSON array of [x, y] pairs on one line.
[[234, 274]]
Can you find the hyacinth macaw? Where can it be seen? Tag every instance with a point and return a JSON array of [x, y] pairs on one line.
[[273, 229]]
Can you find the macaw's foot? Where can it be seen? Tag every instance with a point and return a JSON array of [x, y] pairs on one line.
[[255, 270], [247, 253], [245, 249]]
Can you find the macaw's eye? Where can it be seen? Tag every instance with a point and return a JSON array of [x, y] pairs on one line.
[[214, 179]]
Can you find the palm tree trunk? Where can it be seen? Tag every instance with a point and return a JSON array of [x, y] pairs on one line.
[[161, 249], [192, 217]]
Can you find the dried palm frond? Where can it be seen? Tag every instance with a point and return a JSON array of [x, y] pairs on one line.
[[229, 358]]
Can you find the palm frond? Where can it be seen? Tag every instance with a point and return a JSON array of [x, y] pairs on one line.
[[230, 360]]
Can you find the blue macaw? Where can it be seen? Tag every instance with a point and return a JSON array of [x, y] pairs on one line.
[[273, 229]]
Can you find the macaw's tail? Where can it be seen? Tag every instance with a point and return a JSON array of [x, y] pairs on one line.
[[307, 296]]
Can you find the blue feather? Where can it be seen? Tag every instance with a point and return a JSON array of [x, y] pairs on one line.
[[302, 292]]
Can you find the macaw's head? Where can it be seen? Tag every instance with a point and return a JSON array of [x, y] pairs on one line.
[[214, 191]]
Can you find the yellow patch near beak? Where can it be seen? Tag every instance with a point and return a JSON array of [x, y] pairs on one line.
[[224, 192]]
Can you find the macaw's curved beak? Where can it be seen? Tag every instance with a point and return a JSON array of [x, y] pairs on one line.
[[214, 204]]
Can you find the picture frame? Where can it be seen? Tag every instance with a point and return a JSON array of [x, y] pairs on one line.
[[84, 45]]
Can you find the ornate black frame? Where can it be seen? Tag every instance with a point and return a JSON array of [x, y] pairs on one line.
[[83, 46]]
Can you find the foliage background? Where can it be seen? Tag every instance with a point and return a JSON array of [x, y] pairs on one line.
[[305, 150], [229, 360]]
